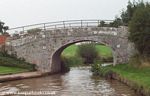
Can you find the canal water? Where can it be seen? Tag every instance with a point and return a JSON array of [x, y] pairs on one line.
[[77, 82]]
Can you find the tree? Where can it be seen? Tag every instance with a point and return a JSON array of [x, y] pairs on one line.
[[127, 15], [102, 24], [116, 23], [139, 28], [88, 52], [3, 28]]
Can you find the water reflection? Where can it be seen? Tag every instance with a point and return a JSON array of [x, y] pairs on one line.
[[78, 82]]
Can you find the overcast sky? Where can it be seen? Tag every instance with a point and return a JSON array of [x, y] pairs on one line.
[[24, 12]]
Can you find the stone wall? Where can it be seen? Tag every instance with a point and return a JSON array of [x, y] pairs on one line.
[[44, 48]]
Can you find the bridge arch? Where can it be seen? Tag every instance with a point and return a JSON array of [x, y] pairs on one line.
[[45, 47], [56, 56]]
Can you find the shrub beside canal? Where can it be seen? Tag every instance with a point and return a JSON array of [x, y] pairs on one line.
[[137, 78]]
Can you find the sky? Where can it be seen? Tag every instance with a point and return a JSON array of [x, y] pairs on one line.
[[17, 13]]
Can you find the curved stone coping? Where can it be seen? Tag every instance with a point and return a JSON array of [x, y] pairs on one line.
[[20, 76]]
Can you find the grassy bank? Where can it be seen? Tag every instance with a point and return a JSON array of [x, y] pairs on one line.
[[11, 65], [103, 51], [11, 70], [139, 78], [72, 59]]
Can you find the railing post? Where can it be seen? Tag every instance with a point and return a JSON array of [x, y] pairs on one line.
[[70, 25], [23, 29], [87, 24], [44, 27], [81, 23], [98, 22], [64, 24]]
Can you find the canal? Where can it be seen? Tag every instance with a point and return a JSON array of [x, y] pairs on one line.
[[77, 82]]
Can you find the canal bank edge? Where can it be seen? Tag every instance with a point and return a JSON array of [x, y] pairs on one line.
[[20, 76], [140, 90]]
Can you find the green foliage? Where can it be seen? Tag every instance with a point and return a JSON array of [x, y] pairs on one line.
[[70, 57], [88, 52], [72, 61], [70, 51], [139, 28], [127, 14], [3, 28], [11, 70], [104, 51], [96, 69], [116, 23], [102, 24], [138, 76], [12, 61]]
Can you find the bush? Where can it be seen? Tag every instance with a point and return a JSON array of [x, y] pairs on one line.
[[116, 23], [102, 24], [88, 52], [96, 68], [3, 28], [11, 61], [72, 61]]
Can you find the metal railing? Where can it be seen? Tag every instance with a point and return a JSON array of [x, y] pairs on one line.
[[60, 24]]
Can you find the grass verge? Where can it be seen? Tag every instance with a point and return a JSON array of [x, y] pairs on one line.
[[12, 65], [139, 77], [11, 70]]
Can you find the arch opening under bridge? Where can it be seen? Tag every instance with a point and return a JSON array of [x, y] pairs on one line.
[[56, 57]]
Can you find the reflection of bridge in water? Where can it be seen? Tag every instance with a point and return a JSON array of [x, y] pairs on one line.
[[44, 46]]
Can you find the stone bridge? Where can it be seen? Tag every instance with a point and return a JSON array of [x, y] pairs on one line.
[[45, 46]]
